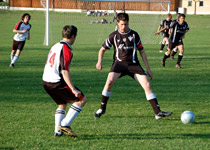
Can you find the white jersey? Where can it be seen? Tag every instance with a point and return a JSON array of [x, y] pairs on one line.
[[21, 26], [59, 58]]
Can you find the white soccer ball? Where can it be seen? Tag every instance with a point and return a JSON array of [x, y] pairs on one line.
[[187, 117]]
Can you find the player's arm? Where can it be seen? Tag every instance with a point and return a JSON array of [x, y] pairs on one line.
[[157, 33], [19, 31], [100, 58], [144, 58], [67, 79], [159, 28], [185, 33]]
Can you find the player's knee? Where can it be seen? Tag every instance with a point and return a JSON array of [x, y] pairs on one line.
[[84, 101], [62, 106], [110, 82]]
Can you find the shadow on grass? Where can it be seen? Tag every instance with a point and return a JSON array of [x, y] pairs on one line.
[[204, 122], [7, 148], [143, 136]]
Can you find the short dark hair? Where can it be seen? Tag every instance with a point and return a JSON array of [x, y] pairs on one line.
[[68, 31], [26, 14], [182, 15], [123, 17], [169, 15]]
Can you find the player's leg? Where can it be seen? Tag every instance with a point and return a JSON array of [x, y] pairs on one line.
[[180, 56], [106, 93], [12, 54], [144, 82], [20, 45], [73, 112], [167, 42], [59, 116], [174, 51], [167, 53], [162, 45]]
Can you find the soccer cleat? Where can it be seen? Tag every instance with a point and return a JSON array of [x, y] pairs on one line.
[[178, 66], [162, 114], [11, 65], [99, 113], [58, 134], [67, 130], [172, 57], [163, 63], [161, 51]]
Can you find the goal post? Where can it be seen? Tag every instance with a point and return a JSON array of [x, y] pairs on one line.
[[149, 12]]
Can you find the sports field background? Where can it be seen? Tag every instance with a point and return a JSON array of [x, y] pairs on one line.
[[27, 112]]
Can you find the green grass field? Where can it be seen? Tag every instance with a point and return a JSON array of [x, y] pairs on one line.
[[27, 112]]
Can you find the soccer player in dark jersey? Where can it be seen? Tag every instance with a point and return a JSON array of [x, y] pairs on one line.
[[126, 42], [165, 23], [174, 51], [179, 29], [58, 83], [22, 30]]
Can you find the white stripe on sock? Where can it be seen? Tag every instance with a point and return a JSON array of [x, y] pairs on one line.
[[106, 93], [150, 96]]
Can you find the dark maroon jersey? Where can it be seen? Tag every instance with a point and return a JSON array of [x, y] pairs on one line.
[[125, 45], [165, 23], [178, 30]]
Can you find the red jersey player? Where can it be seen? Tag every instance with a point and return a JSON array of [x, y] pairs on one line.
[[58, 83], [22, 30]]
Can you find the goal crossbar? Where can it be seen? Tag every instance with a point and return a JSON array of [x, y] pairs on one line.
[[144, 1], [141, 1]]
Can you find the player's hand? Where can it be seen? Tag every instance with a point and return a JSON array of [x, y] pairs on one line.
[[157, 33], [77, 93], [23, 31], [149, 72], [99, 66]]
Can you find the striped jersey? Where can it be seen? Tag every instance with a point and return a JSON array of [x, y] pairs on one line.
[[59, 58], [165, 23], [125, 45], [178, 30], [21, 26]]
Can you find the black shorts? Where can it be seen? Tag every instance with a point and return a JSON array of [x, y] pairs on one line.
[[61, 93], [18, 45], [127, 68], [177, 43], [165, 35]]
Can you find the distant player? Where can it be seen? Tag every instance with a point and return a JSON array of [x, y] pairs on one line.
[[114, 17], [179, 29], [165, 33], [58, 83], [22, 30], [126, 42], [174, 51]]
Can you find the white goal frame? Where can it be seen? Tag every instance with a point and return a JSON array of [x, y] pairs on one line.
[[47, 20]]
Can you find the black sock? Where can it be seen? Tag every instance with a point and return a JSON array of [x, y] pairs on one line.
[[162, 46], [165, 57], [179, 59], [155, 105], [173, 53], [104, 100]]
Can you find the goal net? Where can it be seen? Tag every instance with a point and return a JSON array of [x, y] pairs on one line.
[[95, 18]]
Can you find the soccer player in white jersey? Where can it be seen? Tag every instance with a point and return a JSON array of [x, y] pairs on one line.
[[126, 42], [22, 30], [58, 83]]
